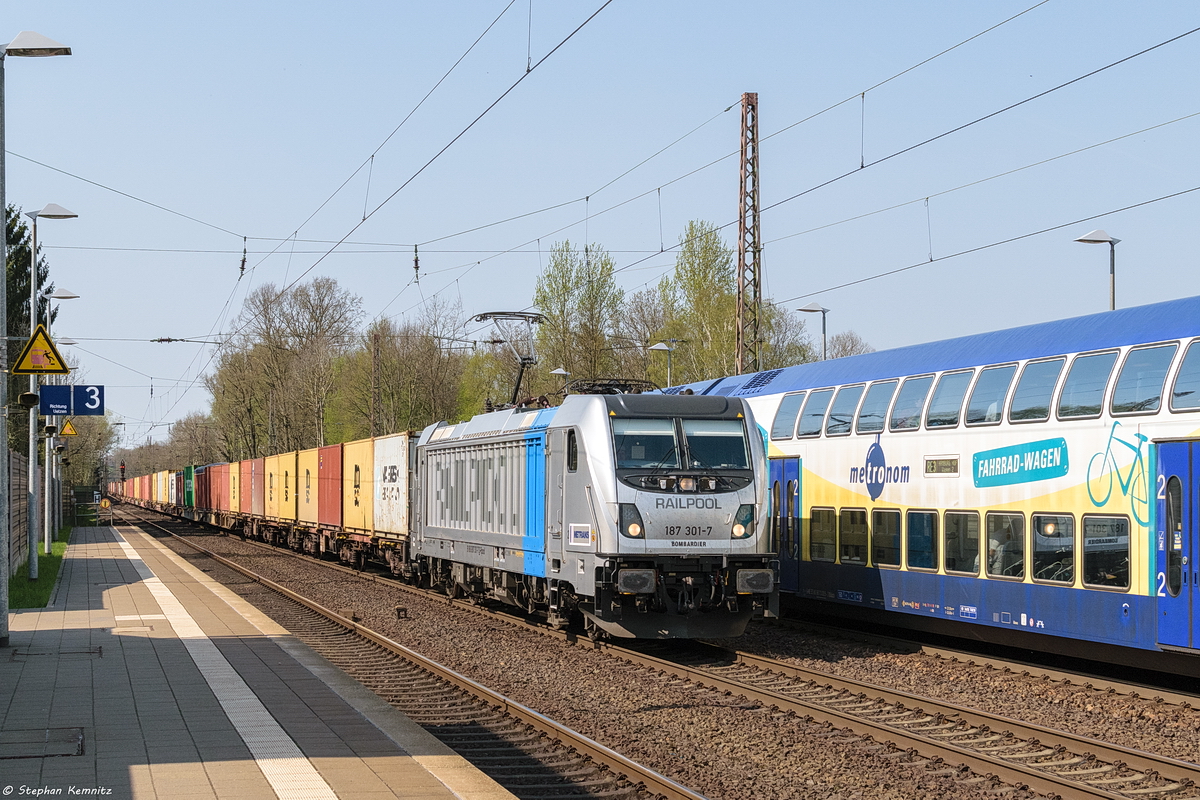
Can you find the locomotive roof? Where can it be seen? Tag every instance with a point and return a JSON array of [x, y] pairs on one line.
[[1173, 319]]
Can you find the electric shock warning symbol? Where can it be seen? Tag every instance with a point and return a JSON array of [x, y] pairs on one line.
[[40, 356]]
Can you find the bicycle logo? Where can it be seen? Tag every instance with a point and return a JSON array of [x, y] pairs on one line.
[[1133, 482]]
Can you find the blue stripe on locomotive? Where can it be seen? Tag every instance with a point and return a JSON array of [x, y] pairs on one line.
[[1110, 617], [533, 541]]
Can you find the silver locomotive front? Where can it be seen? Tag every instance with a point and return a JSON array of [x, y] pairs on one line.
[[689, 555]]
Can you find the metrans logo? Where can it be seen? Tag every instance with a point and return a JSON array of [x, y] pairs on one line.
[[875, 472]]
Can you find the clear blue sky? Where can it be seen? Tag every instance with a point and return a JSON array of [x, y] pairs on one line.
[[247, 116]]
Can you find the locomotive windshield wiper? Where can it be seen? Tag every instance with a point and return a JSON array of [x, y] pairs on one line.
[[660, 465]]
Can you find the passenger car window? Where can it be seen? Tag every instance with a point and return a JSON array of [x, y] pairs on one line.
[[813, 417], [1106, 553], [822, 535], [874, 408], [1140, 384], [784, 425], [1035, 390], [906, 415], [1053, 548], [987, 399], [962, 542], [922, 540], [1185, 396], [948, 399], [1083, 392], [853, 542], [842, 413], [1006, 545], [885, 538]]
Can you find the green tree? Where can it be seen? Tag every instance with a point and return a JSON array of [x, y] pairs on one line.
[[581, 302]]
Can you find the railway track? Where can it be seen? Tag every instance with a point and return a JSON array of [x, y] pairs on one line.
[[1021, 753], [917, 729], [527, 753]]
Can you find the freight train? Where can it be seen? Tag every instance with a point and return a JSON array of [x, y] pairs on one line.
[[1037, 486], [640, 514]]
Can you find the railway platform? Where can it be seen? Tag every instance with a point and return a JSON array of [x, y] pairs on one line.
[[145, 678]]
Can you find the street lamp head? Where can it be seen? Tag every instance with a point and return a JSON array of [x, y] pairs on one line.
[[63, 294], [1097, 237], [66, 340], [52, 211], [560, 371], [661, 347], [30, 43], [814, 307]]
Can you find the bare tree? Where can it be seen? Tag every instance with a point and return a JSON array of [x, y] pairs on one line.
[[848, 343]]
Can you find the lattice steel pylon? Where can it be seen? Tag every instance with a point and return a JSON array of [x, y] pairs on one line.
[[749, 274]]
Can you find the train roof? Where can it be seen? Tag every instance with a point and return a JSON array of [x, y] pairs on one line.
[[1157, 322]]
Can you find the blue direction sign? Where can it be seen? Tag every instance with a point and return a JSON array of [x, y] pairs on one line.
[[88, 400], [56, 401]]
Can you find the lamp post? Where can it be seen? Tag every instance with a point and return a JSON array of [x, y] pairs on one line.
[[24, 44], [50, 515], [814, 308], [51, 211], [562, 373], [1100, 237], [665, 348]]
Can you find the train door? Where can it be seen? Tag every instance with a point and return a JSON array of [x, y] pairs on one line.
[[786, 531], [1177, 544], [555, 485]]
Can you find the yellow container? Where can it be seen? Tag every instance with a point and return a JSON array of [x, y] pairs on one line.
[[358, 485], [306, 486]]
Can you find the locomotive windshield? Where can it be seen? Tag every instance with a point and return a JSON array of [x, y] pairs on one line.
[[708, 444], [645, 443], [716, 444]]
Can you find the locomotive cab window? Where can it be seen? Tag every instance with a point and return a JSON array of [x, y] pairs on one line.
[[813, 417], [1083, 393], [784, 426], [875, 407], [1185, 395], [1106, 552], [842, 413], [822, 535], [906, 415], [852, 543], [987, 399], [947, 403], [1006, 546], [1140, 384], [962, 542], [1053, 548], [716, 444], [1035, 390], [572, 452], [645, 443], [885, 538]]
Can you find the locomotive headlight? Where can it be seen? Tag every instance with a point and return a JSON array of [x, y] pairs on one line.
[[743, 522], [631, 521], [687, 484]]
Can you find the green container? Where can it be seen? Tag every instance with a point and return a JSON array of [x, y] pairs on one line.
[[189, 487]]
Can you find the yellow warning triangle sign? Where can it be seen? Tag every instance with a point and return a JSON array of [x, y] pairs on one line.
[[68, 429], [40, 356]]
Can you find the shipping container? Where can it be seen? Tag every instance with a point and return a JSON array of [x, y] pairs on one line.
[[329, 486], [257, 487], [234, 495], [393, 458], [307, 495], [245, 488], [358, 481], [281, 487]]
